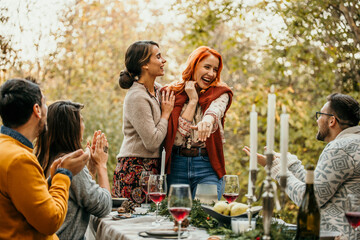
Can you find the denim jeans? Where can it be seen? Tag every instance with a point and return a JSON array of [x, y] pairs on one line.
[[193, 171]]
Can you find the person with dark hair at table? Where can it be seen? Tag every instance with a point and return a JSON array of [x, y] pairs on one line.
[[29, 207], [65, 132], [337, 172], [145, 118]]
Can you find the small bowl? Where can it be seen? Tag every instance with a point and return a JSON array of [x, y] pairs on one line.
[[116, 202]]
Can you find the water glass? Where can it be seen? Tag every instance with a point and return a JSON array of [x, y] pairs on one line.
[[206, 193]]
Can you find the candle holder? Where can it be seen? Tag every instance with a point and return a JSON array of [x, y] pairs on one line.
[[251, 197], [282, 183], [268, 197]]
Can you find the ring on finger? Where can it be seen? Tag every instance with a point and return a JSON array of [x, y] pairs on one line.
[[106, 148]]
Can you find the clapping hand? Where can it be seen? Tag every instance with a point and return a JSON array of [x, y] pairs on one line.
[[73, 162], [98, 152]]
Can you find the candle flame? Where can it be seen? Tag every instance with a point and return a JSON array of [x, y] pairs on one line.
[[253, 108]]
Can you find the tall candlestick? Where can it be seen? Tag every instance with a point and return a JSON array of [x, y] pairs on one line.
[[253, 139], [284, 139], [270, 132], [163, 155], [250, 192]]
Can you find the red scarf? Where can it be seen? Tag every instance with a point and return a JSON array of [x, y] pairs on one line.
[[214, 145]]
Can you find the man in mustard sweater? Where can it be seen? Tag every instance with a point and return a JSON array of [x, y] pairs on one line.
[[30, 208]]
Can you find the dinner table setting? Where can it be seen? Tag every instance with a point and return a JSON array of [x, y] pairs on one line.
[[173, 213]]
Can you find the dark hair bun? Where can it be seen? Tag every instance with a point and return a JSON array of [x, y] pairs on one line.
[[125, 79]]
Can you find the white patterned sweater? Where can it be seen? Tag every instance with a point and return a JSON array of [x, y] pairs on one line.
[[337, 174]]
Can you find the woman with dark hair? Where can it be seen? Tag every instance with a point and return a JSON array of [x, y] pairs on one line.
[[145, 118], [195, 136], [64, 135]]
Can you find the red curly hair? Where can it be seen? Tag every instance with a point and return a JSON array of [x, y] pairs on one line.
[[196, 57]]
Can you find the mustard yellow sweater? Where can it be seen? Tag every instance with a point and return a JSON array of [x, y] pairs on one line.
[[28, 208]]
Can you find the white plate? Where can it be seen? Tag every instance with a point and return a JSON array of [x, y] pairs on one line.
[[163, 232]]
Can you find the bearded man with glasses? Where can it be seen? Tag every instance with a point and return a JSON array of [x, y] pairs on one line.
[[337, 172]]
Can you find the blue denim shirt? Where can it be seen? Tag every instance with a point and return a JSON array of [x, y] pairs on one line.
[[16, 135]]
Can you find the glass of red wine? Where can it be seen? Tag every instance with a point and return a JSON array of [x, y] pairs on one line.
[[179, 202], [157, 191], [144, 179], [352, 212], [231, 188]]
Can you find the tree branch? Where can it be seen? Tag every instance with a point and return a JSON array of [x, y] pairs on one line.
[[351, 22]]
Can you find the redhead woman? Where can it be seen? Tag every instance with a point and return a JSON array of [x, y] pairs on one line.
[[194, 143], [145, 118]]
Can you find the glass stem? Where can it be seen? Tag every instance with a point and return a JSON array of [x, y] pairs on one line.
[[356, 230], [156, 212], [179, 230]]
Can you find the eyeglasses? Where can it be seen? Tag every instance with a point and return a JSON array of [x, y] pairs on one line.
[[317, 115]]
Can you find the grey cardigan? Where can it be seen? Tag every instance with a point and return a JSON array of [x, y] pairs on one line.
[[85, 198], [144, 129]]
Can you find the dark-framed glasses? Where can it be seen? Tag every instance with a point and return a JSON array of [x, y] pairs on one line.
[[317, 115]]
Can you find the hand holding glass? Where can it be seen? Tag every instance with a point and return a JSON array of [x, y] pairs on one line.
[[179, 202]]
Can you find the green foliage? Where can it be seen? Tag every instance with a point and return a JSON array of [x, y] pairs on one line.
[[198, 218]]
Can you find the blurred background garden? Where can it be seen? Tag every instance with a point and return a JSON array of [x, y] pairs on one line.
[[75, 49]]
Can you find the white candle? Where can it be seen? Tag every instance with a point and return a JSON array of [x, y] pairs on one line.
[[270, 133], [163, 155], [284, 139], [253, 138]]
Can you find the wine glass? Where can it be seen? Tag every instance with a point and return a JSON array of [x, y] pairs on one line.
[[144, 179], [206, 193], [352, 212], [231, 187], [157, 191], [179, 202]]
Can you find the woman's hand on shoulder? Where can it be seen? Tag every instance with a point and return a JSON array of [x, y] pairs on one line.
[[167, 103]]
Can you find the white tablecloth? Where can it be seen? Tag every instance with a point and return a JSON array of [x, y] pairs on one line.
[[128, 229]]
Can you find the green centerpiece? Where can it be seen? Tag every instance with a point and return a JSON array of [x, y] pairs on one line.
[[198, 218]]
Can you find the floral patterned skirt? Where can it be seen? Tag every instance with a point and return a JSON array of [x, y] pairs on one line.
[[127, 177]]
